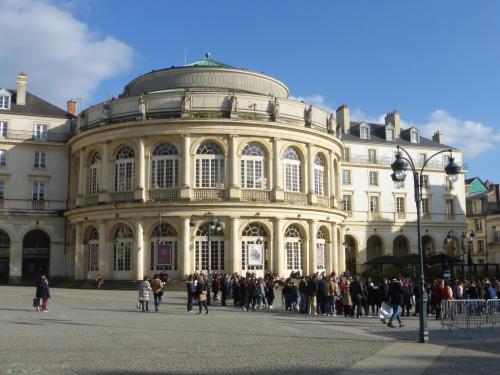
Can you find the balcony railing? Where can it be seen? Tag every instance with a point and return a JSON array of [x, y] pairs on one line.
[[296, 198], [38, 205], [163, 194], [385, 160], [216, 195], [122, 196], [26, 135], [256, 195], [323, 201], [91, 201]]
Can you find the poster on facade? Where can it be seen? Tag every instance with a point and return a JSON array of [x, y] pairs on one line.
[[164, 255], [320, 255], [255, 254], [94, 255]]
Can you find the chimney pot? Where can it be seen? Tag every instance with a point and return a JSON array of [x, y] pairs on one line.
[[343, 119], [436, 137], [394, 118], [71, 107], [21, 89]]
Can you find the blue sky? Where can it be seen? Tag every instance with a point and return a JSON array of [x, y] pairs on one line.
[[438, 62]]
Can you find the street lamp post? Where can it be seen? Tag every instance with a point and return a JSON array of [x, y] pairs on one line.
[[399, 167], [214, 226]]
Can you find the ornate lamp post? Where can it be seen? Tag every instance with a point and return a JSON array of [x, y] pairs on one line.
[[399, 167], [214, 227]]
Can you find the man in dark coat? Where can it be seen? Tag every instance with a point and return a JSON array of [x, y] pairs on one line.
[[356, 292], [396, 299]]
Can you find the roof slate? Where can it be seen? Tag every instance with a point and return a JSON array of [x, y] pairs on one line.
[[35, 106]]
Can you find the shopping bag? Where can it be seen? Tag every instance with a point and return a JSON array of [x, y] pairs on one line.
[[385, 311]]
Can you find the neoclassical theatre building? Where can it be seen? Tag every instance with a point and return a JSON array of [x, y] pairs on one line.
[[186, 147]]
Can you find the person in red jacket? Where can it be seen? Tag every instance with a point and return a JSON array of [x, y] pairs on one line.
[[438, 297]]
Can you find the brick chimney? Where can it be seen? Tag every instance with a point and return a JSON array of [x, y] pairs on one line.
[[71, 107], [436, 137], [395, 119], [21, 89], [343, 118]]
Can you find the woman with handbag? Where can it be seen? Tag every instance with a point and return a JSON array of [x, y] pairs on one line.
[[201, 292], [157, 286]]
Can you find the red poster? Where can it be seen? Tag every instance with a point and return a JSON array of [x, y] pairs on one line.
[[94, 255], [164, 255]]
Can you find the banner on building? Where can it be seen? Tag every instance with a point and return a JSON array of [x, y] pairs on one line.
[[164, 255], [255, 254], [94, 255], [320, 255]]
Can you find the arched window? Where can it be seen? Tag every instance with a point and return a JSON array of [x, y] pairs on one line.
[[93, 250], [122, 255], [209, 166], [95, 166], [164, 167], [319, 175], [253, 167], [124, 169], [320, 249], [292, 169], [293, 248], [164, 248], [202, 244], [4, 256], [254, 248]]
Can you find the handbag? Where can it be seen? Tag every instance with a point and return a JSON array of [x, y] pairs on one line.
[[160, 293], [35, 302]]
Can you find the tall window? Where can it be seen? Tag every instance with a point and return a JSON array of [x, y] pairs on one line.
[[209, 166], [477, 206], [40, 132], [5, 101], [164, 248], [347, 203], [253, 247], [122, 254], [400, 205], [425, 180], [2, 158], [346, 177], [253, 167], [372, 156], [93, 250], [292, 170], [38, 191], [414, 136], [374, 207], [95, 166], [478, 224], [480, 246], [373, 178], [39, 159], [426, 206], [320, 249], [496, 233], [422, 158], [293, 248], [3, 129], [2, 190], [364, 132], [201, 250], [450, 207], [347, 154], [448, 182], [124, 169], [389, 134], [165, 167], [319, 175]]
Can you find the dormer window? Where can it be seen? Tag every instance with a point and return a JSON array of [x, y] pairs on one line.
[[414, 136], [5, 97], [364, 132], [389, 134]]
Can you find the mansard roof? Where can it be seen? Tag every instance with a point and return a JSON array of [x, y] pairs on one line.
[[35, 106]]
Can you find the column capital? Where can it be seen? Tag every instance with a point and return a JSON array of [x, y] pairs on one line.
[[185, 135], [276, 139], [233, 136]]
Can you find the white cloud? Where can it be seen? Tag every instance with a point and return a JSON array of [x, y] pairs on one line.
[[62, 56], [316, 100], [473, 138]]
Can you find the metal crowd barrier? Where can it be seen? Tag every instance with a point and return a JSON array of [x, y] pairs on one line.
[[470, 315]]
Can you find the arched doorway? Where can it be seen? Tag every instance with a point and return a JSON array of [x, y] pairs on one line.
[[428, 245], [400, 246], [201, 246], [293, 249], [36, 254], [351, 252], [4, 256], [254, 252], [374, 248]]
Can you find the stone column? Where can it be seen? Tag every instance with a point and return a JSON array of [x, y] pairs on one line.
[[331, 177], [234, 183], [279, 194], [80, 200], [186, 253], [341, 251], [186, 191], [139, 248], [104, 261], [235, 246], [279, 254], [139, 193], [309, 177], [313, 261], [16, 262], [305, 257], [104, 187], [78, 252], [334, 262]]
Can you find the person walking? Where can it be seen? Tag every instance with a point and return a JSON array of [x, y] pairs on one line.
[[157, 286], [270, 292], [356, 292], [201, 292], [144, 290], [43, 292], [312, 293], [190, 289], [396, 299], [303, 294]]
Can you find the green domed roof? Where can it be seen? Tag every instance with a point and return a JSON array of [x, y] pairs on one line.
[[208, 62]]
